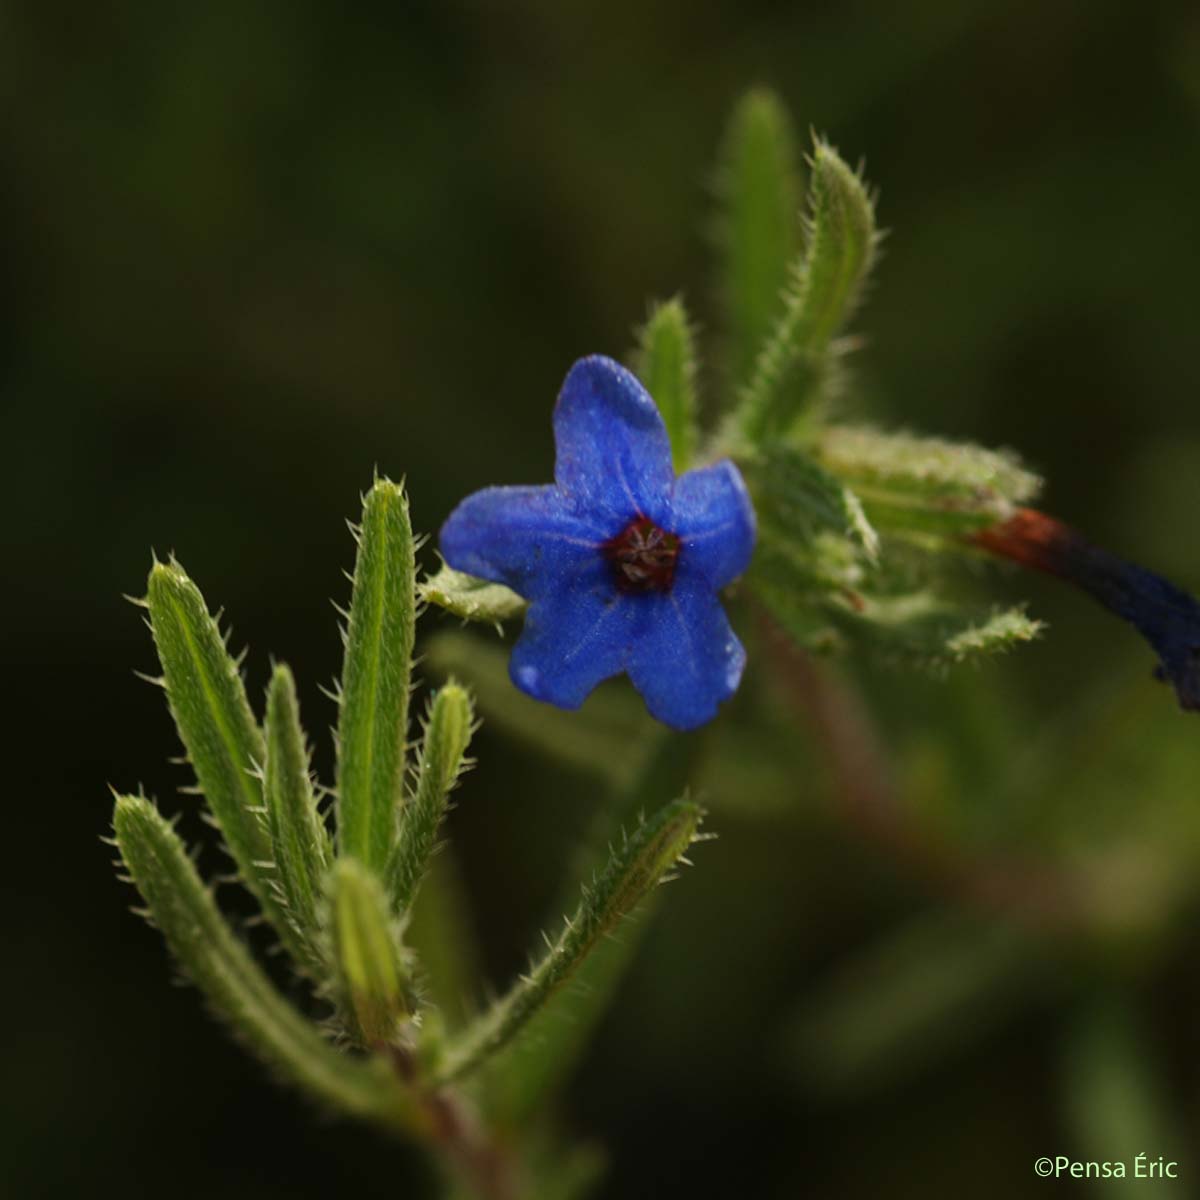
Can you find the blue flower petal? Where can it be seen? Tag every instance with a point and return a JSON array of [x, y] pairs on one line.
[[713, 517], [574, 637], [686, 658], [613, 453], [527, 538], [585, 621]]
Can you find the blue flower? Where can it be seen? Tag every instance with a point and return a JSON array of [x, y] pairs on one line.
[[620, 560]]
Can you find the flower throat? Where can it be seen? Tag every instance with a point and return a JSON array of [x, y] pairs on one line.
[[643, 557]]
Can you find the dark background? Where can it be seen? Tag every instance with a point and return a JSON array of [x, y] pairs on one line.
[[251, 251]]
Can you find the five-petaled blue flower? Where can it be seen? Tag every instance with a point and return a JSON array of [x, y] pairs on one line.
[[620, 560]]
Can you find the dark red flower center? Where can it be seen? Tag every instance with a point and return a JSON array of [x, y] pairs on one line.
[[643, 557]]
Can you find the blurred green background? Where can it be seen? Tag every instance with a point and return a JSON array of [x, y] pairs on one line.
[[250, 251]]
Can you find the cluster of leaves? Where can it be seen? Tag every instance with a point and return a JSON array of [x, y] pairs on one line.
[[388, 1034], [855, 524]]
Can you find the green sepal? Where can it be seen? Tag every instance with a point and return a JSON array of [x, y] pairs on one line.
[[797, 361], [758, 223], [300, 844], [798, 499], [373, 717], [439, 764], [470, 598], [374, 986], [829, 570], [666, 365], [926, 485], [644, 859], [236, 988], [823, 609], [217, 727]]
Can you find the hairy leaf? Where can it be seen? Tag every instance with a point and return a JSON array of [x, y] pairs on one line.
[[218, 729], [236, 987], [442, 757], [926, 484], [642, 861], [800, 499], [372, 973], [795, 362], [666, 365], [373, 720], [300, 843]]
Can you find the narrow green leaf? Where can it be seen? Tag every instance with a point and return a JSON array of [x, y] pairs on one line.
[[557, 1035], [796, 362], [993, 634], [666, 365], [841, 246], [235, 986], [758, 192], [597, 739], [300, 842], [923, 630], [442, 757], [644, 860], [373, 976], [926, 484], [218, 729], [470, 598], [373, 723]]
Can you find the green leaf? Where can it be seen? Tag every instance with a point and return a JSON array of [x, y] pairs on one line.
[[218, 729], [926, 484], [922, 630], [373, 977], [994, 634], [558, 1034], [758, 192], [796, 362], [373, 720], [597, 739], [300, 843], [666, 365], [470, 598], [442, 758], [824, 605], [236, 988], [644, 860], [830, 569], [799, 500]]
